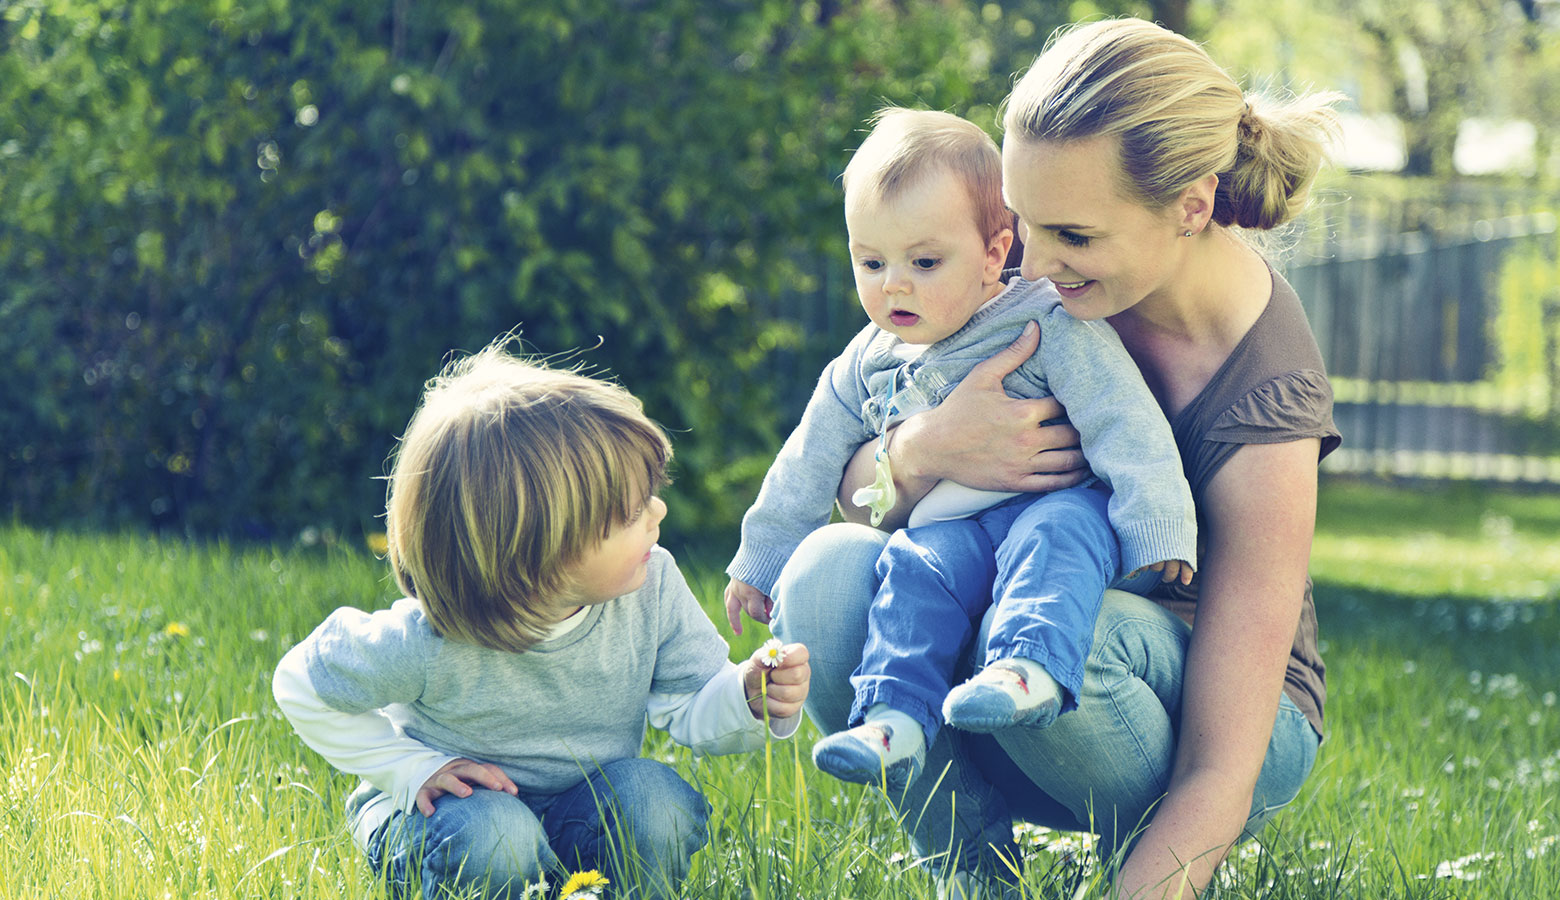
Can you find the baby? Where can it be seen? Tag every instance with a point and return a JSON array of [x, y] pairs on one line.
[[929, 233], [496, 713]]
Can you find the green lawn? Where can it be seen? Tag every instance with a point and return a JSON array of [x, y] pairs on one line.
[[142, 755]]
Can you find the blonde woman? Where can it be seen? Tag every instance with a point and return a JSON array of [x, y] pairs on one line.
[[1135, 164]]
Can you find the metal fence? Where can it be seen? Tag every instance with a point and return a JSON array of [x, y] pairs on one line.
[[1439, 317]]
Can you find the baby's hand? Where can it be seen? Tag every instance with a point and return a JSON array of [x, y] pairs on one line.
[[1170, 570], [786, 670], [740, 596], [456, 777]]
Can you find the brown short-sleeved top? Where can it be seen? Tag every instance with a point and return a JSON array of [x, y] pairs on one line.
[[1273, 388]]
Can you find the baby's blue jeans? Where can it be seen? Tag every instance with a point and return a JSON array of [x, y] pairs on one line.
[[636, 820], [1039, 563], [1099, 768]]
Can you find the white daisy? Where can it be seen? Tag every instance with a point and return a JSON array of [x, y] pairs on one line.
[[772, 654]]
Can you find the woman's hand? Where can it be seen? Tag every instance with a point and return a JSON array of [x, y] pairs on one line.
[[979, 437], [457, 777], [984, 439]]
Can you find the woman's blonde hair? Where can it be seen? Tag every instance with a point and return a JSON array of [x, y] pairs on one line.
[[509, 472], [906, 145], [1178, 117]]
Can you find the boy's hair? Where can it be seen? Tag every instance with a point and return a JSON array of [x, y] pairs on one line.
[[907, 145], [509, 472]]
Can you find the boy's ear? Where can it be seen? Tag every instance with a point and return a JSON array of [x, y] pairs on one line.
[[996, 255], [1196, 204]]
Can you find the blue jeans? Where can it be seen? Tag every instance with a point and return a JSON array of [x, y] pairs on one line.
[[634, 819], [1099, 768], [1038, 563]]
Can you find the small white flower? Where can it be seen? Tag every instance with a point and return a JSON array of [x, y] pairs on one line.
[[772, 654]]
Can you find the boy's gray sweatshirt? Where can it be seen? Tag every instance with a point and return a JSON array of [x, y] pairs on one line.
[[1126, 439], [545, 716]]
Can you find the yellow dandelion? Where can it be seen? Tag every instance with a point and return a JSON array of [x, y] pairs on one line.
[[377, 543], [584, 884], [772, 654], [176, 629]]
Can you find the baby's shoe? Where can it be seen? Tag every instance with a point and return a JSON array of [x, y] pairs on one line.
[[873, 753], [1006, 693]]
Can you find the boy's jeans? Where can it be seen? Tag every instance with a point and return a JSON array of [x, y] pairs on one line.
[[1046, 559], [503, 843], [1099, 768]]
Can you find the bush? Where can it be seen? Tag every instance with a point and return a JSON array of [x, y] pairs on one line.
[[235, 238]]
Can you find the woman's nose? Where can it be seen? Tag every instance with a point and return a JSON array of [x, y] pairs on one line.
[[1037, 263]]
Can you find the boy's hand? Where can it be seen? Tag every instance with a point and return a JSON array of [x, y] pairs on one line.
[[788, 681], [740, 596], [456, 777], [1170, 570]]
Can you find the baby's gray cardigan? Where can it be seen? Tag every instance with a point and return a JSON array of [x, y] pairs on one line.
[[1126, 439]]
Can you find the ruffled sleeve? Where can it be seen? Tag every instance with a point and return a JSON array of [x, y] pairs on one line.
[[1288, 407]]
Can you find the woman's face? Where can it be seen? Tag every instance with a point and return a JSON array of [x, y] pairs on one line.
[[1104, 252]]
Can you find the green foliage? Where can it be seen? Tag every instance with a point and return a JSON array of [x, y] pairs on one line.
[[235, 239], [1526, 328]]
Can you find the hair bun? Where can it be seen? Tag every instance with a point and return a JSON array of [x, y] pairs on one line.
[[1279, 148]]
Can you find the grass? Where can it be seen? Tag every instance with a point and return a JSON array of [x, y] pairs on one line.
[[142, 756]]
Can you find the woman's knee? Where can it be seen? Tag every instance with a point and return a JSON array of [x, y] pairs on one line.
[[828, 584], [1137, 639], [1290, 757]]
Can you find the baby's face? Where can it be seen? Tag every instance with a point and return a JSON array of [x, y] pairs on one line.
[[922, 267]]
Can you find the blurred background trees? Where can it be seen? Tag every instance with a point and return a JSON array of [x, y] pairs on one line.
[[235, 237]]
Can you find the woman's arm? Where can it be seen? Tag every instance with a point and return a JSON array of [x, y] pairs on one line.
[[1260, 511], [979, 437]]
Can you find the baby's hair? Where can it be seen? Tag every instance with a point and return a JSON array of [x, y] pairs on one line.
[[1178, 116], [509, 472], [906, 145]]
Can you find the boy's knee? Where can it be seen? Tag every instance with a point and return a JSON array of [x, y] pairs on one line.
[[658, 808], [489, 838]]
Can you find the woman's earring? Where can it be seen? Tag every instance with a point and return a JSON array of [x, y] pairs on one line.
[[1186, 233]]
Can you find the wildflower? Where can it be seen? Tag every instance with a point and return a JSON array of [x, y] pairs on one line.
[[772, 654], [536, 890], [586, 885], [176, 629], [1468, 868]]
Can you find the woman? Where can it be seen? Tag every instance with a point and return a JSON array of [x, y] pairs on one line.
[[1129, 156]]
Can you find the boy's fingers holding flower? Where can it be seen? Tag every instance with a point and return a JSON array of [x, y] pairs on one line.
[[786, 670], [793, 659]]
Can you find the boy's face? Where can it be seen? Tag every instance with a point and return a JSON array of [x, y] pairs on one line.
[[618, 564], [922, 267]]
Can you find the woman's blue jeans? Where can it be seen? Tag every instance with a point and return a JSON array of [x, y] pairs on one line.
[[636, 819], [1099, 768]]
